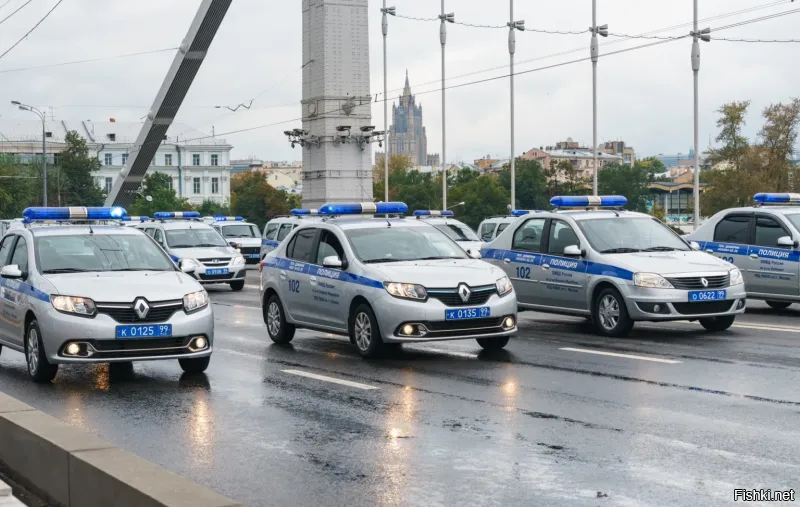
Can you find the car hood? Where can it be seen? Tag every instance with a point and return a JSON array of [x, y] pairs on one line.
[[204, 253], [125, 286], [470, 245], [245, 241], [440, 273], [668, 263]]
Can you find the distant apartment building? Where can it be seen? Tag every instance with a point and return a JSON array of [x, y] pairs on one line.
[[580, 158], [619, 149]]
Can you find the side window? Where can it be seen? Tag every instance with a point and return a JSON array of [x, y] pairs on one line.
[[271, 232], [5, 249], [487, 230], [768, 231], [159, 237], [149, 231], [561, 236], [285, 230], [302, 245], [501, 228], [329, 245], [529, 236], [733, 229], [20, 255]]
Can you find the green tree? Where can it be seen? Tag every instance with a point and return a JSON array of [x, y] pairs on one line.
[[622, 179], [652, 165], [20, 186], [397, 163], [778, 137], [531, 187], [157, 186], [563, 179], [254, 199], [484, 197], [213, 208], [77, 184], [734, 145]]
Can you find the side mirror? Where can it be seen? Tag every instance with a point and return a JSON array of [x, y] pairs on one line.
[[573, 251], [332, 261], [187, 267], [473, 254], [234, 244], [787, 241], [11, 271], [695, 245]]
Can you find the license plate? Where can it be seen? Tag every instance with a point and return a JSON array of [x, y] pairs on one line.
[[219, 271], [467, 313], [253, 256], [697, 296], [150, 331]]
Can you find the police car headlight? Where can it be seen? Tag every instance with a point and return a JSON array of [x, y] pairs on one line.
[[70, 304], [238, 260], [195, 301], [406, 290], [736, 277], [504, 286], [651, 281]]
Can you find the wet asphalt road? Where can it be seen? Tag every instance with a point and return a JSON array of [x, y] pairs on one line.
[[450, 425]]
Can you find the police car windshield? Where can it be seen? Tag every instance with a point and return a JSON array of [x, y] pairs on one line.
[[99, 252], [240, 231], [396, 244], [625, 235], [194, 238], [458, 231]]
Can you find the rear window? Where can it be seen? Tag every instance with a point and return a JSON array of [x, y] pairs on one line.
[[733, 229], [487, 229]]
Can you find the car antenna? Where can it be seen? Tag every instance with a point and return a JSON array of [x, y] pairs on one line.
[[388, 223], [91, 231]]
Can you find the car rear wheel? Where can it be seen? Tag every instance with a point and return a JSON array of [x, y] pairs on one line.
[[364, 330], [611, 315], [493, 343], [194, 365], [779, 305], [278, 329], [237, 286], [715, 324], [39, 368]]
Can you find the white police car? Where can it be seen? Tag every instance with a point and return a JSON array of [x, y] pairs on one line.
[[762, 241], [457, 231], [492, 227], [5, 225], [134, 221], [197, 248], [383, 281], [614, 267], [278, 228], [241, 235], [78, 287]]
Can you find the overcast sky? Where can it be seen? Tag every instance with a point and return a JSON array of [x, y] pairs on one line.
[[645, 96]]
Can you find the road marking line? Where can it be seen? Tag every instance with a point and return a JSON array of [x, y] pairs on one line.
[[330, 379], [768, 328], [454, 353], [627, 356]]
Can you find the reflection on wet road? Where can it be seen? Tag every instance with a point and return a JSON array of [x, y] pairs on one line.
[[543, 422]]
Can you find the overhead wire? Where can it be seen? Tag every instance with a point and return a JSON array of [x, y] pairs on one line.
[[32, 29], [88, 60], [16, 11]]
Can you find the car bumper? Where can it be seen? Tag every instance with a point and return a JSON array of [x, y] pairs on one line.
[[235, 273], [673, 304], [393, 313], [98, 336]]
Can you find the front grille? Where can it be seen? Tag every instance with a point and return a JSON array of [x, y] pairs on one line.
[[206, 277], [132, 349], [450, 297], [246, 250], [216, 262], [160, 311], [456, 325], [696, 283], [704, 307]]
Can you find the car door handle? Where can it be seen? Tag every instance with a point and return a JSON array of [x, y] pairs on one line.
[[754, 256], [507, 261], [709, 250], [545, 266], [283, 275]]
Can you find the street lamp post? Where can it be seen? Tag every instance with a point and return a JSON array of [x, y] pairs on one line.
[[445, 18], [456, 205], [697, 36], [513, 26], [594, 50], [385, 28], [41, 115]]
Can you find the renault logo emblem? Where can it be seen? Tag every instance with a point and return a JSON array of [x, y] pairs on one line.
[[464, 292], [141, 308], [704, 282]]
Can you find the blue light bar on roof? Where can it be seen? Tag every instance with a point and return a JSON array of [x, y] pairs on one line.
[[135, 219], [161, 215], [433, 213], [228, 219], [767, 198], [363, 208], [303, 211], [73, 213], [519, 212], [583, 201]]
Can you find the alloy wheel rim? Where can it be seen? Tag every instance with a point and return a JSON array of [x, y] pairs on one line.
[[33, 350], [273, 319], [363, 331], [609, 312]]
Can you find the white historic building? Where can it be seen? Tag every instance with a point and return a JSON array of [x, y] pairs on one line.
[[198, 164]]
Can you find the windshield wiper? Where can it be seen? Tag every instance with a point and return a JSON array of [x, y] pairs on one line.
[[659, 249], [66, 270], [621, 250], [138, 269], [378, 261], [434, 258], [181, 246], [204, 245]]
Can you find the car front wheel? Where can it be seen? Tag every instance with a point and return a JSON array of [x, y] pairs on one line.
[[715, 324], [611, 314], [364, 330], [278, 329], [39, 368], [194, 365], [493, 343], [779, 305], [237, 286]]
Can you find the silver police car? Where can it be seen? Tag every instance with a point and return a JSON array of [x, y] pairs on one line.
[[457, 231], [762, 241], [90, 292], [279, 228], [383, 281], [614, 267], [197, 248], [241, 235]]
